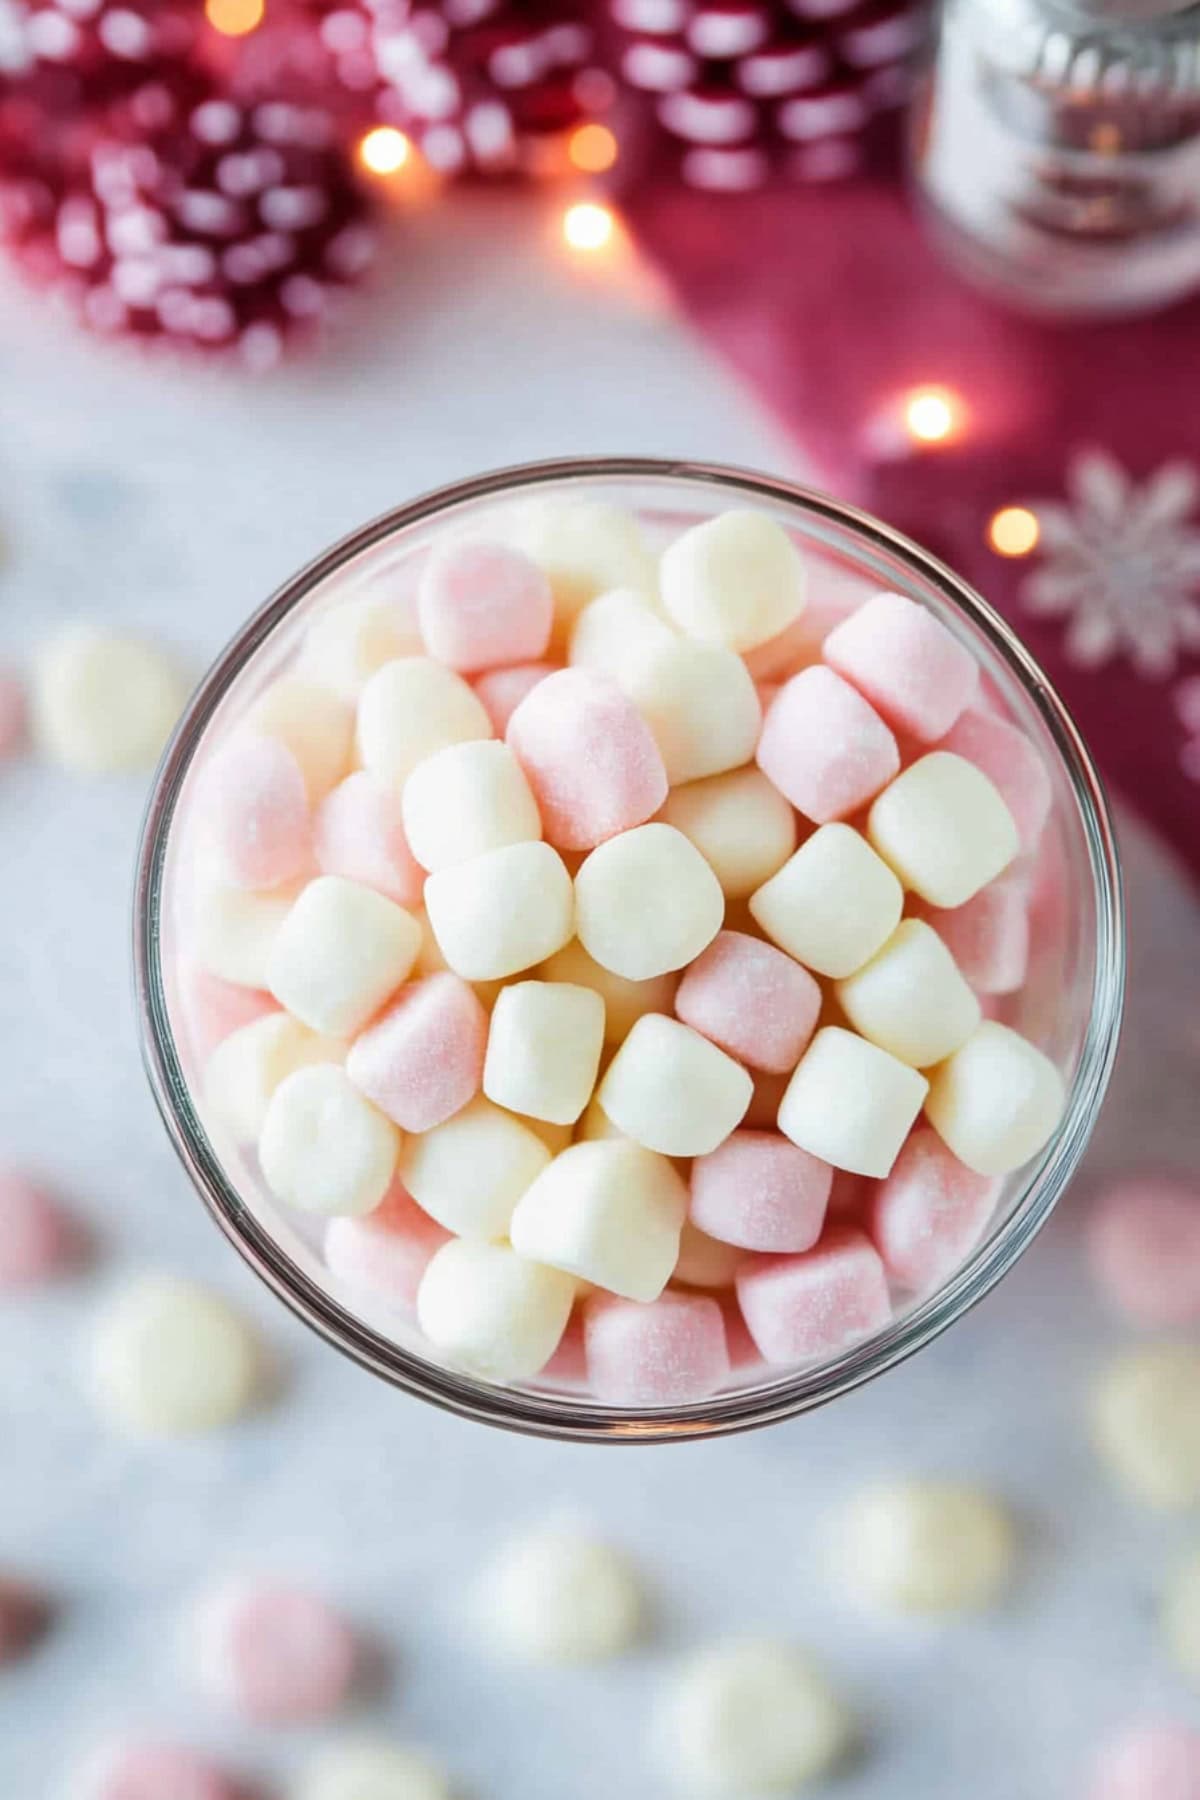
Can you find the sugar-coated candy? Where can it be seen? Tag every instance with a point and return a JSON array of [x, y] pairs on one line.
[[234, 932], [585, 548], [589, 756], [492, 1311], [818, 1302], [38, 1241], [607, 1211], [323, 1147], [350, 640], [751, 1000], [421, 1059], [1147, 1423], [1155, 1760], [943, 828], [672, 1090], [1011, 763], [246, 1067], [704, 1261], [559, 1594], [761, 1192], [927, 1216], [911, 999], [647, 903], [273, 1653], [409, 709], [735, 580], [316, 725], [482, 604], [663, 1353], [101, 703], [470, 1172], [613, 634], [825, 747], [169, 1358], [466, 800], [749, 1716], [12, 714], [387, 1252], [501, 691], [833, 904], [25, 1613], [739, 822], [254, 812], [358, 833], [851, 1103], [502, 912], [988, 937], [924, 1546], [701, 705], [1181, 1616], [996, 1101], [339, 953], [151, 1769], [1144, 1248], [543, 1049], [361, 1768], [624, 1001], [909, 665]]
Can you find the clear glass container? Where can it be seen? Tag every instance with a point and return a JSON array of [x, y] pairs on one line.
[[1071, 1005], [1056, 145]]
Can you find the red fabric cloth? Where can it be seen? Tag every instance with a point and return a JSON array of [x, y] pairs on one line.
[[833, 305]]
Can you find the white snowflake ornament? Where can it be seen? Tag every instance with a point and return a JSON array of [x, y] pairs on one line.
[[1121, 563]]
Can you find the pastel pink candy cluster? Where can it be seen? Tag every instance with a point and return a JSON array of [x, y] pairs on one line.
[[597, 920]]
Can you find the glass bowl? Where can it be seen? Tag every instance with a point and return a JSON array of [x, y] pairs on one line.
[[1071, 1005]]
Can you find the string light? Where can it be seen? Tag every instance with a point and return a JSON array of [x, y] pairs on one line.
[[384, 150], [234, 18], [932, 415], [588, 226], [592, 148], [1013, 531]]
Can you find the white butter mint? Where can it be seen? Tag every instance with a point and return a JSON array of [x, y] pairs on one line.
[[1146, 1419], [608, 1211], [170, 1358], [928, 1547], [495, 1313], [469, 1172], [370, 1769], [736, 580], [560, 1595], [101, 703], [341, 951], [750, 1716], [324, 1148], [409, 709]]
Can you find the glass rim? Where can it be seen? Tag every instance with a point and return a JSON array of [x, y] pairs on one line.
[[570, 1416]]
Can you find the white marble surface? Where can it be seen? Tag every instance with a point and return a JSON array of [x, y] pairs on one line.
[[174, 504]]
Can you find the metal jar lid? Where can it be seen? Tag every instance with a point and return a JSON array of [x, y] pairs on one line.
[[1149, 49]]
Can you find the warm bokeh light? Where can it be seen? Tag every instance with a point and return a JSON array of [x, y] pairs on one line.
[[384, 150], [1013, 531], [592, 148], [587, 226], [234, 18], [933, 414]]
